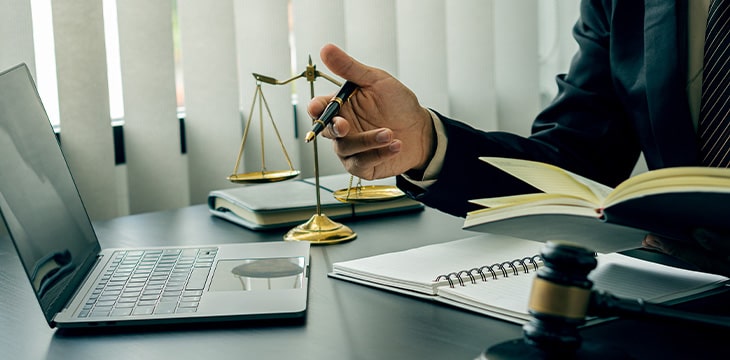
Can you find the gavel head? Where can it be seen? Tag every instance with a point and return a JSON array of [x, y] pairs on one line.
[[559, 298]]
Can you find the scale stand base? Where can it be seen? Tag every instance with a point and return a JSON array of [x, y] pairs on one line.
[[319, 229]]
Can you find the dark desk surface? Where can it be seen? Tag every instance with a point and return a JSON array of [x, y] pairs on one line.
[[345, 321]]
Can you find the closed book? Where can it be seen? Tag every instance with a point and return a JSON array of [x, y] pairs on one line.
[[289, 203]]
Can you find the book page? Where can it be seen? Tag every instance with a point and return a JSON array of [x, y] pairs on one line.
[[535, 199], [551, 179], [675, 172], [617, 274], [508, 295], [488, 215], [416, 269], [630, 277], [672, 180]]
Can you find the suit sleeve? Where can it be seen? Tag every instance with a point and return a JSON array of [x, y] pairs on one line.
[[585, 130]]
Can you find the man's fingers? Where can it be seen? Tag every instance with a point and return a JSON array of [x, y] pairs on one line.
[[345, 66], [317, 105], [366, 164], [363, 141], [690, 253], [337, 129]]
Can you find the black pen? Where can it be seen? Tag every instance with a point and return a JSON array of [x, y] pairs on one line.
[[332, 109]]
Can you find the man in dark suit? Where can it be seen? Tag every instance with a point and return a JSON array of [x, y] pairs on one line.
[[629, 90]]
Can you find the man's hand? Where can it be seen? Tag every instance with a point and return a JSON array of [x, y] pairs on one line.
[[709, 250], [382, 130]]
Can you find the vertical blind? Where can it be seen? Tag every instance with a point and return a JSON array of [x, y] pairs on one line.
[[478, 61]]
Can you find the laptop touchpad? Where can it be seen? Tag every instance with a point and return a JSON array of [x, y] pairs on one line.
[[258, 274]]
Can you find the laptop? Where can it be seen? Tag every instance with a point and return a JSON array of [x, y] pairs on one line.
[[78, 284]]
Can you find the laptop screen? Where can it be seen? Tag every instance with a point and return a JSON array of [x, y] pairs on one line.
[[39, 202]]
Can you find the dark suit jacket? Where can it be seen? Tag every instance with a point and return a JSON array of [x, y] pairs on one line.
[[625, 93]]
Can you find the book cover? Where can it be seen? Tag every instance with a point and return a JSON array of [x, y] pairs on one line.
[[289, 203]]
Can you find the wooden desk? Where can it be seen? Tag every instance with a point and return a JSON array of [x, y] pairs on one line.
[[345, 321]]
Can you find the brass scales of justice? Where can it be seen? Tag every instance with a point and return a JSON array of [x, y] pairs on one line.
[[319, 229]]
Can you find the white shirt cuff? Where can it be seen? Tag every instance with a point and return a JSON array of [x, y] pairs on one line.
[[433, 169]]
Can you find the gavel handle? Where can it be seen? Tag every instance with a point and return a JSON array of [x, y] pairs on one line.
[[603, 304]]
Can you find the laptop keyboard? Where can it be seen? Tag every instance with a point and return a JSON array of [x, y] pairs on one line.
[[145, 282]]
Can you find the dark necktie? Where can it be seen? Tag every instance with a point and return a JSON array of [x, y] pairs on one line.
[[714, 123]]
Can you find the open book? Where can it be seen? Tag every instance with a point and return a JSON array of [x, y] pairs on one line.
[[492, 275], [670, 202]]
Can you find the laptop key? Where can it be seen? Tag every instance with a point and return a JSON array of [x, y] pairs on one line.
[[197, 279], [186, 310], [165, 308], [101, 311], [121, 312], [143, 310], [189, 304]]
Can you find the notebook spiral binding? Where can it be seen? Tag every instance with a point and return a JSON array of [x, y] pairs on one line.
[[495, 270]]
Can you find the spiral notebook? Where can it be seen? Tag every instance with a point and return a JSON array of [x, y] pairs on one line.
[[492, 275]]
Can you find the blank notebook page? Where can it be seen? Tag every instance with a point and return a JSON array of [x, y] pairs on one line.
[[617, 274]]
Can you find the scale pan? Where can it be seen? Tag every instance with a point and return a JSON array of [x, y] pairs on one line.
[[263, 176], [369, 194]]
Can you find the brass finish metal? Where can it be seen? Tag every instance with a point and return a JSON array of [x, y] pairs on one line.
[[368, 194], [310, 136], [263, 175], [559, 300], [320, 229]]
